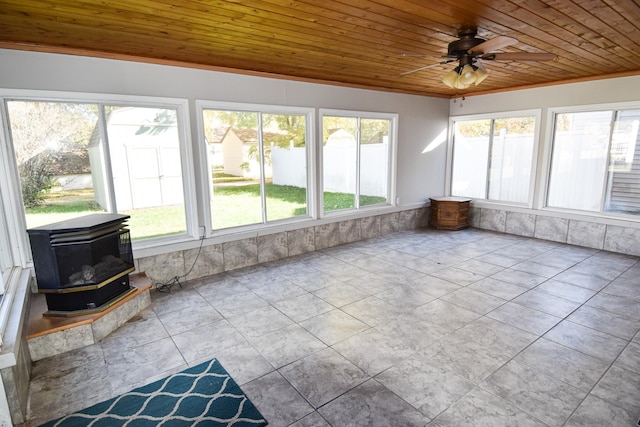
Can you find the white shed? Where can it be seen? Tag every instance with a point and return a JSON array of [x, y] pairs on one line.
[[144, 151]]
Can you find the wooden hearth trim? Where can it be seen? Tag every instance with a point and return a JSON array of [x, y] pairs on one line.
[[38, 325]]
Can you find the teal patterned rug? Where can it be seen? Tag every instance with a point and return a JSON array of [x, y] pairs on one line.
[[204, 395]]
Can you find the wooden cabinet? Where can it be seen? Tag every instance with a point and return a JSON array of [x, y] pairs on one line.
[[449, 213]]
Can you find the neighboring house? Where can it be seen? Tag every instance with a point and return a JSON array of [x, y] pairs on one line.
[[235, 150], [214, 147], [240, 152], [71, 170]]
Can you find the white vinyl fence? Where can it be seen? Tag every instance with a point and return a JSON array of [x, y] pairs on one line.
[[339, 168], [510, 173]]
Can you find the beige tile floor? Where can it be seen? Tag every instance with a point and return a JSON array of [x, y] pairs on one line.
[[418, 328]]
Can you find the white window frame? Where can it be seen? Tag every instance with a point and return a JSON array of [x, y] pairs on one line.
[[545, 179], [392, 160], [6, 257], [7, 281], [182, 110], [537, 113], [205, 185], [11, 221]]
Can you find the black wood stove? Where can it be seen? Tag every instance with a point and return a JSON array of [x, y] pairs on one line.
[[82, 265]]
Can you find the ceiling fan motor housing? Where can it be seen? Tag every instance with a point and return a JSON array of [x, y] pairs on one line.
[[462, 46], [467, 41]]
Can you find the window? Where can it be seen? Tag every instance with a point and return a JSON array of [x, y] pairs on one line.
[[623, 175], [6, 259], [145, 158], [357, 153], [51, 143], [257, 162], [493, 158], [595, 163], [6, 267], [78, 158], [9, 265]]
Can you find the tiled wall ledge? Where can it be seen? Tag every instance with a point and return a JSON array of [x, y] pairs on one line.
[[220, 257], [610, 235]]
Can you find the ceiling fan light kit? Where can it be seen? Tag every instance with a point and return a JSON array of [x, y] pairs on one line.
[[465, 76]]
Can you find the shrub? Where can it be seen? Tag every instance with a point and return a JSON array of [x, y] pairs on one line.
[[35, 180]]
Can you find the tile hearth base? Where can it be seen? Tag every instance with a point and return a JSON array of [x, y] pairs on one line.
[[49, 336]]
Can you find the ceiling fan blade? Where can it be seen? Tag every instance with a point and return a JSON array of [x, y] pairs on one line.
[[420, 55], [427, 66], [493, 44], [519, 56]]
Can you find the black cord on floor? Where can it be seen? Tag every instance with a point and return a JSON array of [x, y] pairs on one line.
[[175, 280]]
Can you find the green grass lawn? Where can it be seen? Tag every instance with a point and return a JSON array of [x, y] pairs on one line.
[[62, 205], [233, 205], [143, 224]]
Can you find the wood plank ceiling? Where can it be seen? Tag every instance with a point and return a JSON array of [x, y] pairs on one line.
[[346, 42]]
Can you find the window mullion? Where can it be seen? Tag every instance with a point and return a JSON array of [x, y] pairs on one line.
[[263, 196], [2, 282], [106, 154], [489, 152], [358, 149], [608, 175], [552, 160]]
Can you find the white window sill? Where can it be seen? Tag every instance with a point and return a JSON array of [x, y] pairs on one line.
[[12, 317]]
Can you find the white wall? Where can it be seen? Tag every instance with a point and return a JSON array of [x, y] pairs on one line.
[[422, 119]]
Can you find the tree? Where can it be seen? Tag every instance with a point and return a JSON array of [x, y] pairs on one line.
[[40, 131], [35, 180], [513, 125], [473, 128], [164, 120], [330, 124], [371, 130], [292, 128]]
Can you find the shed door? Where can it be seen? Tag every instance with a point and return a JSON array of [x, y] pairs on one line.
[[156, 178]]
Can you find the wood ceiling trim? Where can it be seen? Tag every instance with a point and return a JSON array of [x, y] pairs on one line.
[[555, 83], [138, 41], [168, 62], [64, 50], [309, 68]]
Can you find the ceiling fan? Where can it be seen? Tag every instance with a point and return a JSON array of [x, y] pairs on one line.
[[469, 51]]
